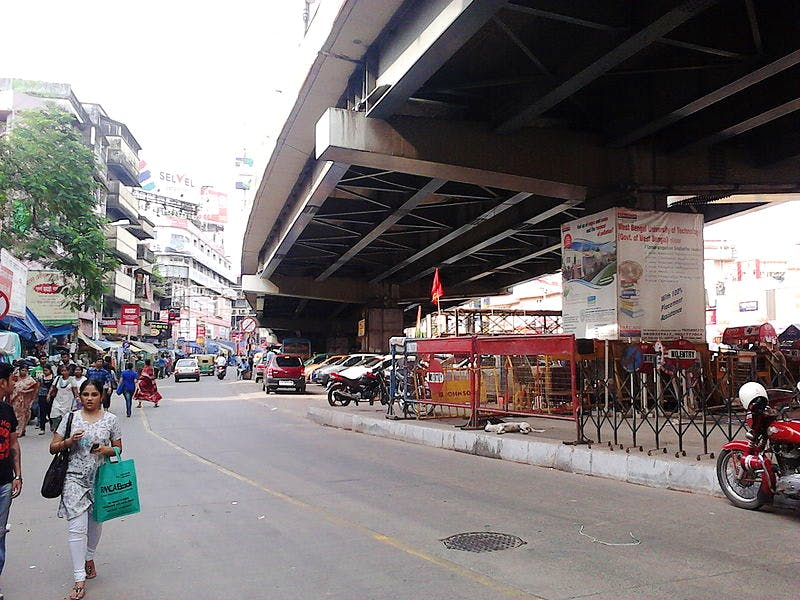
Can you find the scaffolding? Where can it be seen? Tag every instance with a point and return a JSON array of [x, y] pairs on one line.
[[472, 321]]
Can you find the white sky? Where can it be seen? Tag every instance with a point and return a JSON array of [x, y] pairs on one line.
[[196, 82]]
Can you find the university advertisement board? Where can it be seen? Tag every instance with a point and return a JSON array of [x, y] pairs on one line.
[[634, 274]]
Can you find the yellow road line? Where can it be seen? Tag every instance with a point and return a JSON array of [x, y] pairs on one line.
[[443, 563]]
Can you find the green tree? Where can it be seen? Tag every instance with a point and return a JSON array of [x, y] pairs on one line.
[[51, 212]]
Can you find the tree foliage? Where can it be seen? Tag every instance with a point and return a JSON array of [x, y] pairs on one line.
[[51, 212]]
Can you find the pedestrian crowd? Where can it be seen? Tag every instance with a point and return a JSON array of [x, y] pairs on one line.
[[73, 403]]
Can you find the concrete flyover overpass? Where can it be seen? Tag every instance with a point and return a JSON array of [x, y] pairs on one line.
[[460, 134]]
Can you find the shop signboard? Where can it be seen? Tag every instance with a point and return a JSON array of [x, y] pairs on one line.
[[201, 330], [130, 315], [174, 316], [159, 329], [19, 283], [631, 274], [109, 327], [45, 299]]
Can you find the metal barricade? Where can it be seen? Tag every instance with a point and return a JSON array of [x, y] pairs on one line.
[[480, 376]]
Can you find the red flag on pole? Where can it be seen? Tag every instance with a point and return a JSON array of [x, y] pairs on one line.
[[437, 291]]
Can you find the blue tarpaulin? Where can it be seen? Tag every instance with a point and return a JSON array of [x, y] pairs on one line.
[[59, 330], [29, 328]]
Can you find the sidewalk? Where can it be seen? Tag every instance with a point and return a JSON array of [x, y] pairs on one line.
[[542, 449]]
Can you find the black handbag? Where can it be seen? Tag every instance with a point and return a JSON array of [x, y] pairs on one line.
[[53, 483]]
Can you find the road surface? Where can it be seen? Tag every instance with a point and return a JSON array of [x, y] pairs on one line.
[[242, 497]]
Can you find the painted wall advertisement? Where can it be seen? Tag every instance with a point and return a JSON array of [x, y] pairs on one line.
[[45, 299], [634, 274], [19, 282]]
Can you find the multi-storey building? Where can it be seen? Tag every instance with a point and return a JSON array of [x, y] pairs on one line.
[[191, 258], [116, 172]]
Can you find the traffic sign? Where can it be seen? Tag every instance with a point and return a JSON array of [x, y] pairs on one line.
[[248, 325]]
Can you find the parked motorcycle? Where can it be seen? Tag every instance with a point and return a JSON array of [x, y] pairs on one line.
[[221, 372], [765, 468], [369, 387]]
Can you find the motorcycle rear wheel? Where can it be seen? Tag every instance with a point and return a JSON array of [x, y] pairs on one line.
[[335, 398], [746, 495]]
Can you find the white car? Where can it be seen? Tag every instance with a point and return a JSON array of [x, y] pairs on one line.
[[187, 368], [377, 363]]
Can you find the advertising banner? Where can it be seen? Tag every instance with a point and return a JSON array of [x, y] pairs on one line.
[[634, 274], [130, 315], [45, 299], [109, 327], [589, 272], [201, 330], [160, 329], [19, 283]]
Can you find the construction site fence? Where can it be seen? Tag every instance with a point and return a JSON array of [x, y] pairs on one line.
[[654, 407]]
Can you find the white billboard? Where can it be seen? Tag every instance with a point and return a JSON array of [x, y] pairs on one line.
[[634, 274]]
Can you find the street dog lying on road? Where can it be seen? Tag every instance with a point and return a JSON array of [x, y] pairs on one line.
[[501, 428]]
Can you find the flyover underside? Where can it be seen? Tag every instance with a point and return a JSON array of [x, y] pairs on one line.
[[472, 130]]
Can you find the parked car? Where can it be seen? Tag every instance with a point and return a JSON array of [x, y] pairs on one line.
[[330, 360], [284, 371], [186, 368], [323, 374], [377, 363]]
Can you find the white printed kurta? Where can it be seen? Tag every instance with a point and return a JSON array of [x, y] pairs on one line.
[[78, 493]]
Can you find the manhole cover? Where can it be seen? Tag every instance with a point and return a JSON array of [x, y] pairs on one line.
[[482, 541]]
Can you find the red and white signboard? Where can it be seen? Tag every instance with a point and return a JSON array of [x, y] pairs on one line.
[[201, 330], [681, 354], [130, 316]]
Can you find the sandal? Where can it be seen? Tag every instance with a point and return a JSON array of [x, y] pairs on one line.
[[78, 592], [91, 570]]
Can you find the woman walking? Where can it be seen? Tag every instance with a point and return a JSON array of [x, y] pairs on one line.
[[127, 385], [148, 388], [43, 396], [22, 396], [94, 435], [62, 396]]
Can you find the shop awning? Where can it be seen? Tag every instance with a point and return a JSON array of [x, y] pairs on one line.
[[28, 327], [227, 344], [59, 330], [89, 341], [144, 347], [106, 344]]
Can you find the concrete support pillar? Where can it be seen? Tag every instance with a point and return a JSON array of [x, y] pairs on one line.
[[381, 324]]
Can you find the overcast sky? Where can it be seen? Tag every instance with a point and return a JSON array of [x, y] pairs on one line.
[[196, 82]]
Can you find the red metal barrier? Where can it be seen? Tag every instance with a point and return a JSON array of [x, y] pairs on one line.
[[516, 375]]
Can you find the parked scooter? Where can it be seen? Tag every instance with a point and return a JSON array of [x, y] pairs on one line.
[[368, 387], [745, 469], [222, 370]]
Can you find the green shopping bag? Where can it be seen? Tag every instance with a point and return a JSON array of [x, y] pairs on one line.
[[116, 493]]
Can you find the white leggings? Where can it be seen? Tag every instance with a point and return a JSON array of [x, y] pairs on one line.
[[84, 535]]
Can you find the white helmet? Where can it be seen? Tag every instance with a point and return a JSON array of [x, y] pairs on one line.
[[750, 391]]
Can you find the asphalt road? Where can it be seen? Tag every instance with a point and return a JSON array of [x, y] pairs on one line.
[[243, 497]]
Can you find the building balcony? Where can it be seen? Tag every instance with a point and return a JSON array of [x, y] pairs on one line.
[[122, 287], [123, 162], [142, 228], [124, 244], [120, 203]]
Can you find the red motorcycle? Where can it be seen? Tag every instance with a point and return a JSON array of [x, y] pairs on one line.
[[766, 467]]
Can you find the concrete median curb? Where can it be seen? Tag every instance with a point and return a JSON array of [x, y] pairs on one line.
[[632, 468]]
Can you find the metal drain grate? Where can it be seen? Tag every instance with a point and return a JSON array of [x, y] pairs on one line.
[[482, 541]]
